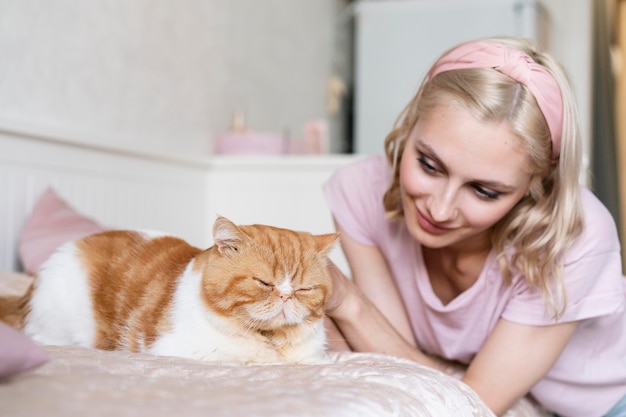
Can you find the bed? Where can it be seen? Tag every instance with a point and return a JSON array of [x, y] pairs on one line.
[[95, 186]]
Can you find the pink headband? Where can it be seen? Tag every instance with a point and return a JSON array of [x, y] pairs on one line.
[[517, 65]]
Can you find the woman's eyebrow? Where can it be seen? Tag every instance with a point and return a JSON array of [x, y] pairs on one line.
[[421, 147]]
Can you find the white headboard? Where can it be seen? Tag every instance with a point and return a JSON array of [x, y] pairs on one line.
[[181, 195], [116, 188]]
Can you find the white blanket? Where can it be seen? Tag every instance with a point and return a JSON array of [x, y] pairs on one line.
[[88, 382]]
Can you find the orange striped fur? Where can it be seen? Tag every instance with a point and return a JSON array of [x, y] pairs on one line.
[[132, 280]]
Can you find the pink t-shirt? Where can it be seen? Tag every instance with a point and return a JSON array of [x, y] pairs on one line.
[[590, 375]]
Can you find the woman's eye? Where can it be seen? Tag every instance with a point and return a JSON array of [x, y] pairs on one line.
[[485, 193], [426, 164]]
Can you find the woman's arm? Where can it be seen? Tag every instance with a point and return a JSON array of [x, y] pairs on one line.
[[365, 307], [513, 359], [366, 329], [371, 275]]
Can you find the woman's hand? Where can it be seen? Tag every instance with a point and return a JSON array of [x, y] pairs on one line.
[[368, 299], [368, 310], [341, 288]]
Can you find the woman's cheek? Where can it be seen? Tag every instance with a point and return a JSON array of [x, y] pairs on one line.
[[415, 182]]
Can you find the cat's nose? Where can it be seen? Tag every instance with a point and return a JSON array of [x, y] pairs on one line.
[[285, 297]]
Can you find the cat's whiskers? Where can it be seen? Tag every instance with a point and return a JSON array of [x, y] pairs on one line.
[[252, 323]]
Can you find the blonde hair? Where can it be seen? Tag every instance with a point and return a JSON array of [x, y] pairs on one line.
[[532, 237]]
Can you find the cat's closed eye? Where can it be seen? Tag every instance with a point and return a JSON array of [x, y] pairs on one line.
[[263, 283]]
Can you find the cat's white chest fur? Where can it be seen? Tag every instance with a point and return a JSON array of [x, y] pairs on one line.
[[53, 320]]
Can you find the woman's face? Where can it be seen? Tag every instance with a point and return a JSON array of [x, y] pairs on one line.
[[459, 176]]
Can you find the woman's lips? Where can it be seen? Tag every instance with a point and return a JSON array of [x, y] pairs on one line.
[[429, 226]]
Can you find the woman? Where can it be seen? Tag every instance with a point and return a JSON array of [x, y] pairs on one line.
[[473, 242]]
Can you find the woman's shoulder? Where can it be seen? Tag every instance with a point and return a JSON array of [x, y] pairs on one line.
[[354, 194], [600, 230], [592, 273], [592, 204], [370, 175], [373, 166], [598, 244]]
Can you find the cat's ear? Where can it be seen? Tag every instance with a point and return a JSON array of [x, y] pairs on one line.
[[227, 236], [326, 242]]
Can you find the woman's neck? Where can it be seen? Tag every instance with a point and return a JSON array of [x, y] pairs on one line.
[[454, 269]]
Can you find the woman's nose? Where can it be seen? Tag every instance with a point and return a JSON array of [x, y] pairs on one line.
[[442, 204]]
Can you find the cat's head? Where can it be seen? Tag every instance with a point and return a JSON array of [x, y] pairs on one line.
[[266, 277]]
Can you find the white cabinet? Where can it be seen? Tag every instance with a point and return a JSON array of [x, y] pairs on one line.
[[283, 191]]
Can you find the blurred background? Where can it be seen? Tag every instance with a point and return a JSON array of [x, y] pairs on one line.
[[177, 76]]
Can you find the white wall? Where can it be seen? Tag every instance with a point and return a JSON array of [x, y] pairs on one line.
[[570, 40], [167, 75], [387, 76], [163, 74]]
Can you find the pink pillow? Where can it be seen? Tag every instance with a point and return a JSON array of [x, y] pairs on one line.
[[52, 223], [18, 353]]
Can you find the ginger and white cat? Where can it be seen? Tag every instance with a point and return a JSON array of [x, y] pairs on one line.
[[256, 296]]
